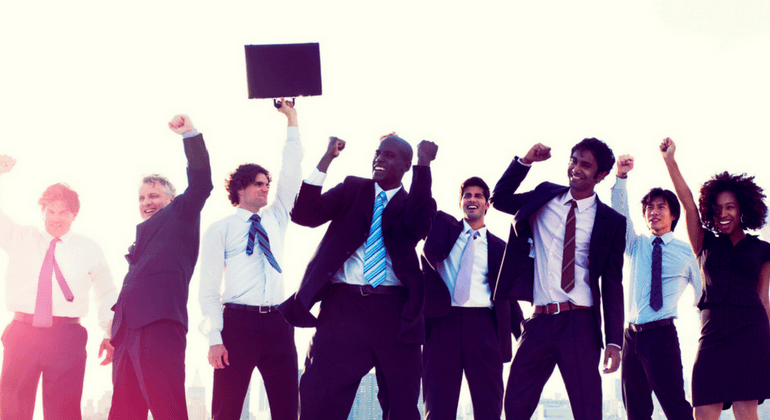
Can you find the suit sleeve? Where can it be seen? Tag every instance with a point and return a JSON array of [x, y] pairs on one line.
[[199, 184], [503, 196], [612, 286], [312, 209], [420, 205]]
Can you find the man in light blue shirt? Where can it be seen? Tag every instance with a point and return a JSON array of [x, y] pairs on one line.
[[661, 268]]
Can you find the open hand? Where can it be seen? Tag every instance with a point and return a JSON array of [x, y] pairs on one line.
[[106, 347]]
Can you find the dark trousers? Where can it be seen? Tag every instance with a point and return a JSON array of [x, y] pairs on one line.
[[148, 372], [59, 354], [264, 341], [466, 339], [570, 340], [356, 333], [652, 361]]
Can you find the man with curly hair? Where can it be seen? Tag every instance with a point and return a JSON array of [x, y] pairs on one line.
[[50, 274], [248, 248]]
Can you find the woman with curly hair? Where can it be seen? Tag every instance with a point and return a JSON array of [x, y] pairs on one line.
[[732, 366]]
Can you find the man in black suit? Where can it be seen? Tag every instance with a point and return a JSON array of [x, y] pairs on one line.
[[367, 273], [150, 325], [466, 328], [562, 242]]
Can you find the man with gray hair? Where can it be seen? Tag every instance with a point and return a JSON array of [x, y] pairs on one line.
[[150, 325]]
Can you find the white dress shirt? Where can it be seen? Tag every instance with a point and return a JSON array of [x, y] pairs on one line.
[[248, 279], [548, 231], [352, 271], [81, 261], [480, 294]]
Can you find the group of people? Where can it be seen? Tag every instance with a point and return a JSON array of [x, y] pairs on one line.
[[416, 319]]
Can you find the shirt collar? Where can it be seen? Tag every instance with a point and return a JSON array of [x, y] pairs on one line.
[[583, 204], [666, 237], [466, 229], [244, 214], [64, 238], [388, 194]]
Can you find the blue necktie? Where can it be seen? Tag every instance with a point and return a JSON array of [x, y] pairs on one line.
[[264, 244], [656, 285], [374, 253]]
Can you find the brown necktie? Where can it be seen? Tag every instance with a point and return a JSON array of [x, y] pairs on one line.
[[568, 260]]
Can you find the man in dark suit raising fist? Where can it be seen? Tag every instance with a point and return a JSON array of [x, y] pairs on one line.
[[367, 274], [565, 255], [467, 329], [149, 331]]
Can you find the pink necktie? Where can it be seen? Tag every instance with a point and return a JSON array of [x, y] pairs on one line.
[[462, 290], [43, 316]]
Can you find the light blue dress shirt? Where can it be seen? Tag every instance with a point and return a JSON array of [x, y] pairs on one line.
[[679, 267]]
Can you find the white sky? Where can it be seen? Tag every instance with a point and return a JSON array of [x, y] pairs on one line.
[[87, 88]]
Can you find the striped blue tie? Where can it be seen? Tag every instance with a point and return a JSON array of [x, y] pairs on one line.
[[264, 244], [374, 254]]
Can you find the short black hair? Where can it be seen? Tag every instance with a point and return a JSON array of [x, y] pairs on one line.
[[751, 199], [406, 148], [602, 153], [242, 177], [475, 181], [669, 197]]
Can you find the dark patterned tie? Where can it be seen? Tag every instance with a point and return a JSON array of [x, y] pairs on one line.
[[258, 232], [568, 259], [656, 286], [374, 253], [43, 316]]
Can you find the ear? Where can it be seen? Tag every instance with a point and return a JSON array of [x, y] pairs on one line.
[[601, 175]]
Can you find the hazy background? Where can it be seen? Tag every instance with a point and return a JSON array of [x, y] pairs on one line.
[[86, 89]]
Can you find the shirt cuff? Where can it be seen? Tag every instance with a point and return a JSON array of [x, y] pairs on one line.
[[613, 344], [215, 337], [192, 133], [316, 178], [528, 165], [620, 182]]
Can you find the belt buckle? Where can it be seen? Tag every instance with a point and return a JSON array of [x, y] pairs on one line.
[[361, 289], [558, 309], [266, 309]]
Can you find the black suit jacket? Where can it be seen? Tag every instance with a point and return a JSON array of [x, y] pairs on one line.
[[605, 255], [438, 301], [162, 260], [349, 206]]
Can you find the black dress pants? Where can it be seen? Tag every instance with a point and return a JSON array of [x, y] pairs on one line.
[[356, 333], [59, 354], [465, 340], [570, 340], [652, 361], [148, 372], [264, 341]]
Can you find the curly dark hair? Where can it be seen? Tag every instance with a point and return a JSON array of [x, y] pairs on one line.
[[242, 177], [60, 192], [605, 159], [750, 199]]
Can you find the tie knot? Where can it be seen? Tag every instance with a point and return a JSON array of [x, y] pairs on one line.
[[382, 196], [473, 233], [255, 218], [572, 203], [657, 240]]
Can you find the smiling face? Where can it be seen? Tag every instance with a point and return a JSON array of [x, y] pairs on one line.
[[152, 198], [658, 216], [390, 163], [583, 174], [727, 213], [474, 204], [58, 218], [254, 196]]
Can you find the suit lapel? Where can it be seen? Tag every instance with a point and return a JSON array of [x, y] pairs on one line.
[[392, 210], [599, 224]]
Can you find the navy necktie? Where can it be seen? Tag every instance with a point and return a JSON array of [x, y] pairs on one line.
[[258, 232], [656, 285]]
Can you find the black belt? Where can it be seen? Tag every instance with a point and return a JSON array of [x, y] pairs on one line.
[[263, 309], [369, 290], [650, 325], [57, 320]]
